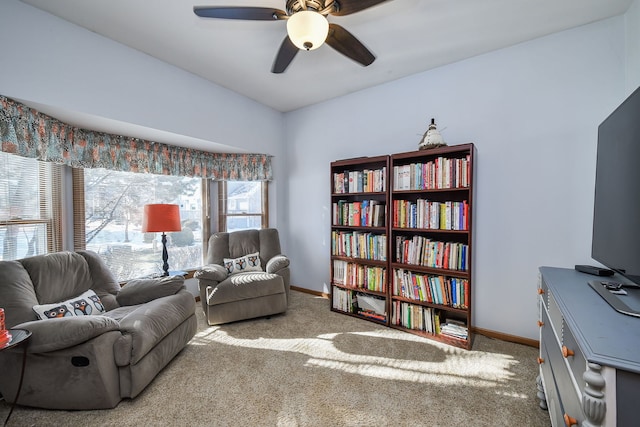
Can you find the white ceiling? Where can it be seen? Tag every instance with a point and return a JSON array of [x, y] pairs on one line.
[[407, 37]]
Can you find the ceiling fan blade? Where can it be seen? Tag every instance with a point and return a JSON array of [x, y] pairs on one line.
[[346, 43], [348, 7], [250, 13], [285, 55]]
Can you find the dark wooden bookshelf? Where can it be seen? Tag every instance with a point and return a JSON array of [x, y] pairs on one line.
[[381, 196], [455, 158], [458, 158]]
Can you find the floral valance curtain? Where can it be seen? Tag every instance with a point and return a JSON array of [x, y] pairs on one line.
[[29, 133]]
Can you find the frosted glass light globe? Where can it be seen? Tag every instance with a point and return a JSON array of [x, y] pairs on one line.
[[307, 29]]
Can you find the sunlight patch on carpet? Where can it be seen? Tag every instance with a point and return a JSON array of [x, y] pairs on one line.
[[454, 366]]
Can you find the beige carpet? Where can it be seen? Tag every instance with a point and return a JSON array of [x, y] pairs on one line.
[[313, 367]]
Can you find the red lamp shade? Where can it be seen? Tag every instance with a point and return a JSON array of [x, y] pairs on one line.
[[160, 218]]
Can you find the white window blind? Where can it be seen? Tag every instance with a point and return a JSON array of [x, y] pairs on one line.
[[30, 207]]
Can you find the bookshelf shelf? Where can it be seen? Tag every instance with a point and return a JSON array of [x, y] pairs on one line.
[[453, 341], [363, 261], [423, 214], [353, 288], [429, 270]]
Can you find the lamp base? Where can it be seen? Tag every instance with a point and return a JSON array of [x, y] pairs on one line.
[[165, 256]]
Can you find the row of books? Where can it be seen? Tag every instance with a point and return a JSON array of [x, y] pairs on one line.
[[359, 276], [354, 302], [427, 214], [417, 317], [367, 213], [360, 181], [449, 291], [357, 244], [439, 173], [422, 251], [343, 300]]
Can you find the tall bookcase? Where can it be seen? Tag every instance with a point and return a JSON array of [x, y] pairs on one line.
[[430, 233], [359, 237], [423, 282]]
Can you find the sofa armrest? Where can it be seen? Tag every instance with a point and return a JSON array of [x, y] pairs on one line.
[[64, 332], [140, 291], [214, 272], [277, 263]]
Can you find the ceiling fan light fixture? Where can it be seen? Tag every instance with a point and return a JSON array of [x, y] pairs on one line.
[[307, 29]]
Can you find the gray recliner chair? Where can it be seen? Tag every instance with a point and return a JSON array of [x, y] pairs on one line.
[[93, 343], [246, 276]]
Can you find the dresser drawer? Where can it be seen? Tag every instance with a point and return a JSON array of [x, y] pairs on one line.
[[550, 390], [577, 362], [561, 375]]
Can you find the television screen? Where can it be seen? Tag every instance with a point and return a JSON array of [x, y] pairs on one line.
[[616, 216]]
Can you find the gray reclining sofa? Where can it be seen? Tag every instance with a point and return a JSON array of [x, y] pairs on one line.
[[78, 361]]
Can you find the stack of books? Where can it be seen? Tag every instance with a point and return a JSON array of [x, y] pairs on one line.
[[455, 329]]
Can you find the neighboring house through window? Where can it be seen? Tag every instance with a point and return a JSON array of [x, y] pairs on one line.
[[242, 205]]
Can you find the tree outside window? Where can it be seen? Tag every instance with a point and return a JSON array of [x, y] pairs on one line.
[[113, 209]]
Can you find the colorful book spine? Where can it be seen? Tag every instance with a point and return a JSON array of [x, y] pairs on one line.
[[443, 290]]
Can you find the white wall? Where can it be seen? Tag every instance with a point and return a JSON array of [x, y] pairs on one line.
[[632, 28], [532, 110], [49, 61]]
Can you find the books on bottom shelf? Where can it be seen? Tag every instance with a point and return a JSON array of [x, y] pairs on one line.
[[455, 328], [426, 319]]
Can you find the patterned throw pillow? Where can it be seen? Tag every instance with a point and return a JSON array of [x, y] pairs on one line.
[[87, 303], [242, 264]]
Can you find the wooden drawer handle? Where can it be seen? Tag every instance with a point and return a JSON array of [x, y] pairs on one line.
[[570, 421], [566, 352], [540, 291], [540, 323], [540, 360]]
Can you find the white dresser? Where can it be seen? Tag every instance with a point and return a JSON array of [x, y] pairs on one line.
[[589, 354]]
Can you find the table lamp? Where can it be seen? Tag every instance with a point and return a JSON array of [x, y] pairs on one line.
[[161, 218]]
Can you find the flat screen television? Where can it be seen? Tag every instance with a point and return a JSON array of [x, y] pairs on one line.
[[616, 215]]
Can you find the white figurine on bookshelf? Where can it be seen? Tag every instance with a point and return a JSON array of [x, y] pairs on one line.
[[431, 138]]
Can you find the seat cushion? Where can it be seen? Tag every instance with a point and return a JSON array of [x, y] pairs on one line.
[[149, 323], [243, 286]]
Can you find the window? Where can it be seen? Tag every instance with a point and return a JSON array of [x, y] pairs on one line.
[[242, 205], [108, 209], [30, 208]]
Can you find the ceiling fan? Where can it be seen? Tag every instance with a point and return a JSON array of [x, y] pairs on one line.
[[307, 26]]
